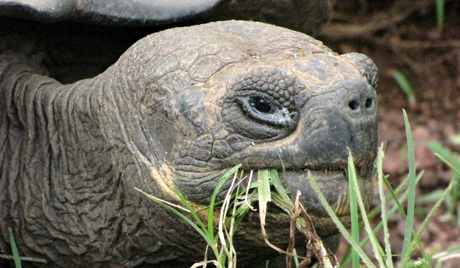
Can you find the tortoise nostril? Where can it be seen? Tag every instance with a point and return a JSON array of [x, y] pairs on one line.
[[354, 105], [369, 103]]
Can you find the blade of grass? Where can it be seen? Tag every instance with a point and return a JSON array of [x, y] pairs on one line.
[[280, 194], [224, 252], [296, 260], [396, 207], [445, 152], [394, 193], [263, 190], [425, 222], [192, 211], [14, 249], [430, 197], [226, 239], [182, 216], [440, 255], [221, 182], [441, 260], [276, 182], [384, 215], [455, 139], [440, 13], [338, 223], [264, 196], [433, 210], [403, 197], [353, 210], [411, 199], [376, 248], [406, 87]]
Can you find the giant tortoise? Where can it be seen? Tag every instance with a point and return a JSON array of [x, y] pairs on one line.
[[178, 109]]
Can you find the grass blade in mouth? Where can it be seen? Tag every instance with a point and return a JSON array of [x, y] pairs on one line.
[[339, 224], [299, 218], [263, 190]]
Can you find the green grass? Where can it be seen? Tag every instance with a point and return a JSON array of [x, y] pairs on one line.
[[14, 249], [268, 188], [440, 13], [412, 186], [405, 86], [383, 256], [220, 242], [452, 201], [15, 253]]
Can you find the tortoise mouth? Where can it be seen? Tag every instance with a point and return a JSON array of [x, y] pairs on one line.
[[334, 185]]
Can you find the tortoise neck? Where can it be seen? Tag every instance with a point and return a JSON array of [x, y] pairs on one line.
[[56, 166], [63, 118]]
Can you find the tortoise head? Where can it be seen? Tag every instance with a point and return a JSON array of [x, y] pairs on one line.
[[257, 95]]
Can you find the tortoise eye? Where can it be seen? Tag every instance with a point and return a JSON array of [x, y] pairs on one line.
[[261, 105], [265, 110]]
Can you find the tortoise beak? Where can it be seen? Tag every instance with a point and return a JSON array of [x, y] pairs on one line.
[[333, 184]]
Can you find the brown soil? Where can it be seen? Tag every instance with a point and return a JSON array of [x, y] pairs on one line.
[[403, 35]]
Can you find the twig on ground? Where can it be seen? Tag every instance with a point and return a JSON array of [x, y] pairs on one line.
[[386, 19]]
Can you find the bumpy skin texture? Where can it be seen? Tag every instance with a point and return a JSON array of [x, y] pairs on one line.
[[179, 108]]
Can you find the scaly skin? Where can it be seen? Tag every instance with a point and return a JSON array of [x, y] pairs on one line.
[[179, 108]]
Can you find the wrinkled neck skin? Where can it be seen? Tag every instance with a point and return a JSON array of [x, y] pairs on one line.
[[65, 159]]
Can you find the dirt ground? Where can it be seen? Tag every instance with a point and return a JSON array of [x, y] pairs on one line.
[[403, 35]]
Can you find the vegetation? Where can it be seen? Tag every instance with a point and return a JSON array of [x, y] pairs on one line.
[[451, 202], [388, 206], [269, 189], [405, 86], [220, 243], [440, 13], [15, 253]]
